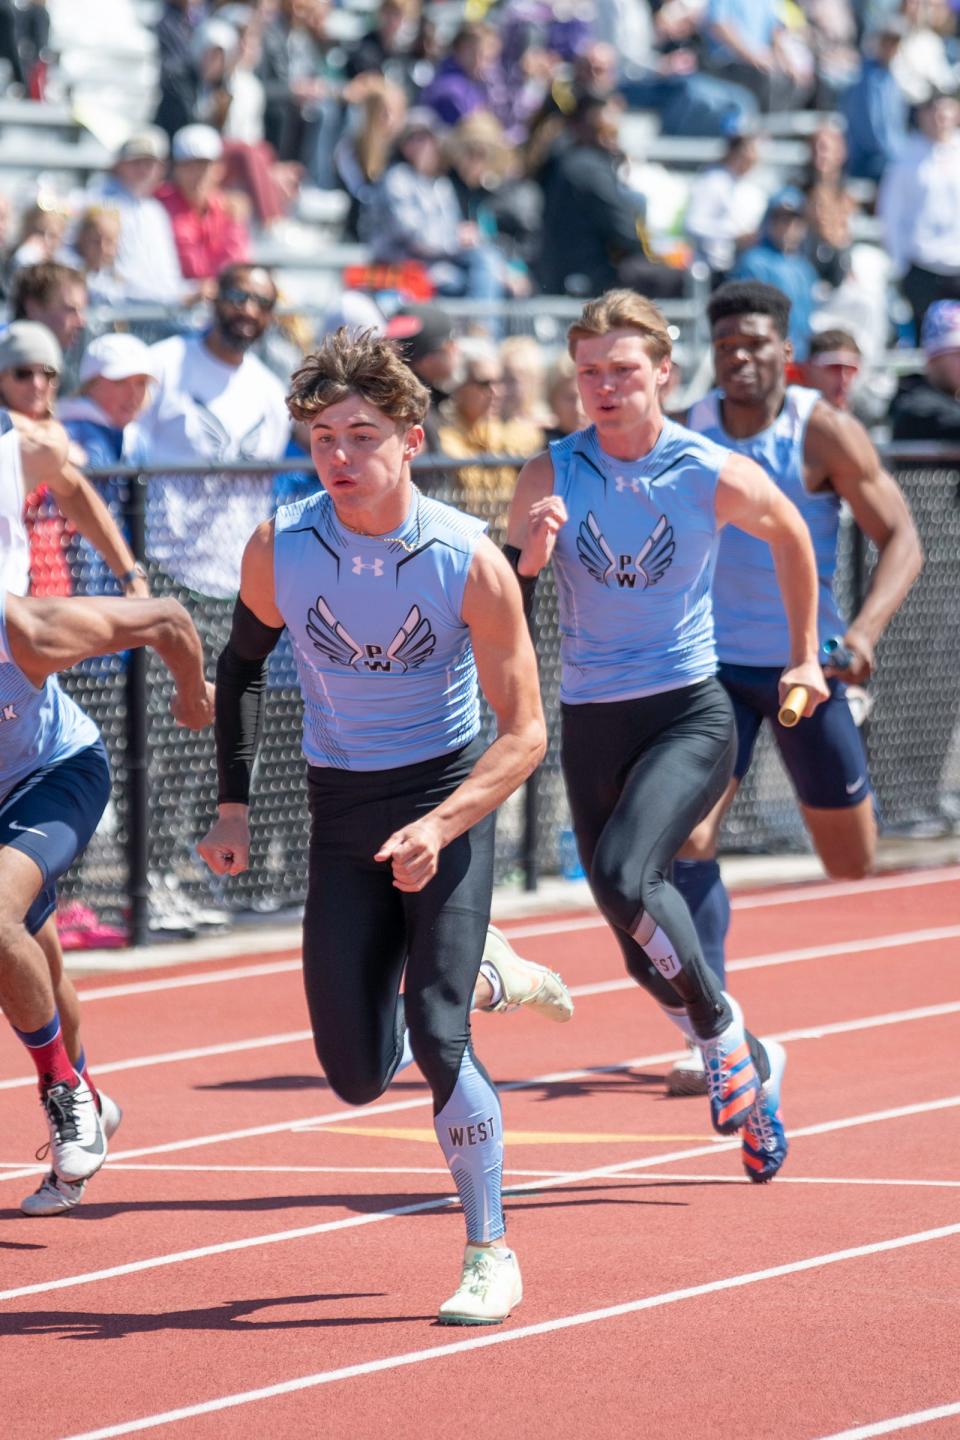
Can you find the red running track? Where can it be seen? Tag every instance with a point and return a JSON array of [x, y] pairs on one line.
[[256, 1258]]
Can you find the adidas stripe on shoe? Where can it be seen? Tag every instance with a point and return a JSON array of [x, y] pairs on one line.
[[732, 1081], [764, 1143]]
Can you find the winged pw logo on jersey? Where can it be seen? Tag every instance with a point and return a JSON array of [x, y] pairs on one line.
[[413, 643], [649, 565]]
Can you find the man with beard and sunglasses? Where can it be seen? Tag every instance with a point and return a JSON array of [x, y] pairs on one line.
[[214, 403]]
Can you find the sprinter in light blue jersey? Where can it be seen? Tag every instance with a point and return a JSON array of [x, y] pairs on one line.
[[34, 456], [393, 603], [54, 786], [630, 512], [819, 458]]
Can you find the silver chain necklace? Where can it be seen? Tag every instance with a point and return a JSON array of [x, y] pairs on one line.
[[394, 539]]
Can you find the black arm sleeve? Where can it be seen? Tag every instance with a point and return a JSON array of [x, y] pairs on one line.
[[528, 583], [241, 683]]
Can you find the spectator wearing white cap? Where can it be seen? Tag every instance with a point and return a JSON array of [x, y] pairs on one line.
[[116, 372], [147, 260], [115, 375], [225, 49], [207, 228]]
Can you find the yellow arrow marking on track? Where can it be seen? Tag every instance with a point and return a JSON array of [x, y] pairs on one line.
[[525, 1137]]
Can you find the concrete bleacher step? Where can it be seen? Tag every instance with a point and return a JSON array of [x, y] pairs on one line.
[[107, 56], [692, 152], [322, 207]]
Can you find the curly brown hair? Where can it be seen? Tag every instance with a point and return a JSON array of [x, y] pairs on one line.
[[623, 310], [351, 362]]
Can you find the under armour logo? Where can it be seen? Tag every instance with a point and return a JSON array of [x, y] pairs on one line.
[[623, 484], [375, 565]]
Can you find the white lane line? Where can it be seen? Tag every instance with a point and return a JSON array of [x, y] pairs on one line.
[[679, 1176], [684, 1177], [166, 956], [907, 939], [182, 982], [874, 1117], [337, 1117], [323, 1169], [904, 940], [890, 1427], [834, 889], [172, 1057], [437, 1202], [525, 1332], [620, 1169], [795, 895]]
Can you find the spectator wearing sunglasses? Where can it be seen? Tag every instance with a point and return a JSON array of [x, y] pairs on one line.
[[473, 424], [215, 402], [40, 488]]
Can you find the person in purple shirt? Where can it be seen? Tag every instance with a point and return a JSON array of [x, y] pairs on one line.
[[476, 76]]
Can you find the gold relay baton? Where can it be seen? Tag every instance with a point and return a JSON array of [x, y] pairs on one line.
[[791, 711]]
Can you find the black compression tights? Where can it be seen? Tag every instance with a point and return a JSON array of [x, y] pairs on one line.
[[360, 932], [640, 774]]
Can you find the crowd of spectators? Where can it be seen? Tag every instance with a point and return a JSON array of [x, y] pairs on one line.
[[480, 152], [481, 155]]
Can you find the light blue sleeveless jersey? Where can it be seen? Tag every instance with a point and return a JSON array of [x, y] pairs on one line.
[[750, 619], [634, 565], [37, 727], [381, 648]]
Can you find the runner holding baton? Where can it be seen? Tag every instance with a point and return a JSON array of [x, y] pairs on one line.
[[837, 657]]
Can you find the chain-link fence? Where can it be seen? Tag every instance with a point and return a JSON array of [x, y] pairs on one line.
[[141, 870]]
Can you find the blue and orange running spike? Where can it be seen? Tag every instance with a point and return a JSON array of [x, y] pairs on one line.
[[764, 1140], [732, 1080]]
